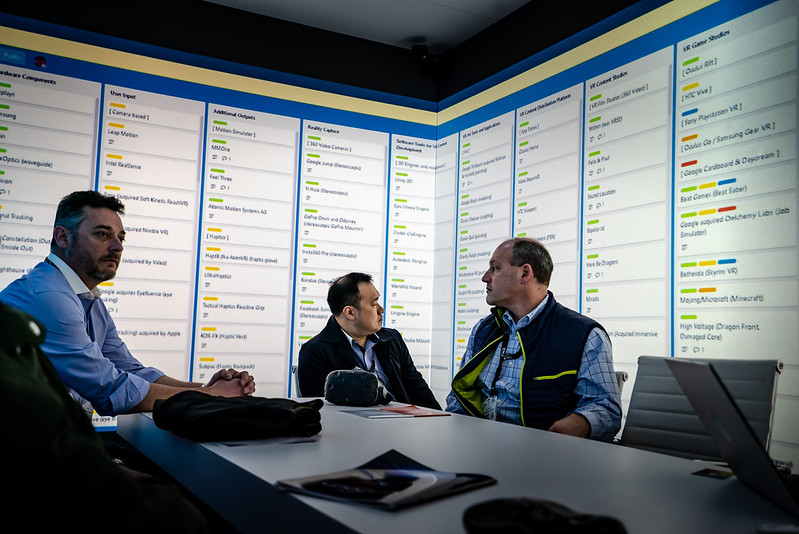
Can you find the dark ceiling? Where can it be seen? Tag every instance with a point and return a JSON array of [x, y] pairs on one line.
[[260, 41]]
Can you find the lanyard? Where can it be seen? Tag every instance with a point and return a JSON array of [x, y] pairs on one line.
[[503, 356]]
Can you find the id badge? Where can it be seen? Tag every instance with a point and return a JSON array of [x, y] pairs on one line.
[[490, 407]]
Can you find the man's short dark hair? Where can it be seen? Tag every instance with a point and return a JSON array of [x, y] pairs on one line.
[[71, 212], [532, 252], [344, 292]]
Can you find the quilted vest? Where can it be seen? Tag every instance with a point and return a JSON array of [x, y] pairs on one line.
[[552, 348]]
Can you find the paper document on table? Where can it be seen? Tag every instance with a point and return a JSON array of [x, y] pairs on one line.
[[389, 482], [391, 412]]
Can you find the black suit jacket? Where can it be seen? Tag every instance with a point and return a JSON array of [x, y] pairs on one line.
[[329, 350]]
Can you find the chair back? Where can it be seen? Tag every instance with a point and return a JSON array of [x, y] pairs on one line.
[[661, 419]]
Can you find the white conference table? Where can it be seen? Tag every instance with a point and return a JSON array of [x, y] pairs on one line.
[[648, 492]]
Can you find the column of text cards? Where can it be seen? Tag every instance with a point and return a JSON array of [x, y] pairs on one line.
[[626, 198], [547, 202], [246, 241], [33, 175], [411, 244], [484, 216], [341, 216], [150, 160], [735, 289]]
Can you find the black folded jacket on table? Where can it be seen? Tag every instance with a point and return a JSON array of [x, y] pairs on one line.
[[200, 417]]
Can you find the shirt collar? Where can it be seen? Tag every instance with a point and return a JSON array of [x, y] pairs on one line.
[[371, 337], [527, 319], [73, 279]]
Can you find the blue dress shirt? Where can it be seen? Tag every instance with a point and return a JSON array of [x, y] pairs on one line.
[[367, 355], [91, 359]]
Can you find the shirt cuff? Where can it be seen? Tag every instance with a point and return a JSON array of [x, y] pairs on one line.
[[124, 399], [597, 421]]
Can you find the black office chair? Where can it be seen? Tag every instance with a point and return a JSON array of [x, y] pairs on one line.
[[661, 419]]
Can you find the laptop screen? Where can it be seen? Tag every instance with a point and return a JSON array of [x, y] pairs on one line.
[[731, 432]]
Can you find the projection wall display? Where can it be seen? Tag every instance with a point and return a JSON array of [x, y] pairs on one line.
[[659, 168]]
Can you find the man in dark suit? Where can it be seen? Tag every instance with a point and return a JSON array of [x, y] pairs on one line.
[[355, 337]]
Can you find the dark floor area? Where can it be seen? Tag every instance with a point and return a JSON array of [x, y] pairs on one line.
[[127, 455]]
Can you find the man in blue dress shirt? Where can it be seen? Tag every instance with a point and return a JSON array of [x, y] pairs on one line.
[[82, 341], [533, 362]]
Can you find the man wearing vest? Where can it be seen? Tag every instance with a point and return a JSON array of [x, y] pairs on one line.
[[533, 362]]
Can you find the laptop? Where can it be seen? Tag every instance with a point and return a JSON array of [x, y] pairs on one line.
[[732, 434]]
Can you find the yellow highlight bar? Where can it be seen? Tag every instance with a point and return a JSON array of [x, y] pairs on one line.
[[113, 156], [210, 298], [116, 125], [209, 268], [208, 329], [689, 137], [112, 187], [706, 263], [213, 249], [708, 185], [707, 212], [117, 105], [552, 377], [691, 86], [207, 359], [106, 284], [214, 229], [707, 289]]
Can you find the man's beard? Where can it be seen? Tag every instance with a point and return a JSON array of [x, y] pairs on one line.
[[104, 275], [91, 268]]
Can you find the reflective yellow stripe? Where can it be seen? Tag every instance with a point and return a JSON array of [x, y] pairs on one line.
[[552, 377]]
